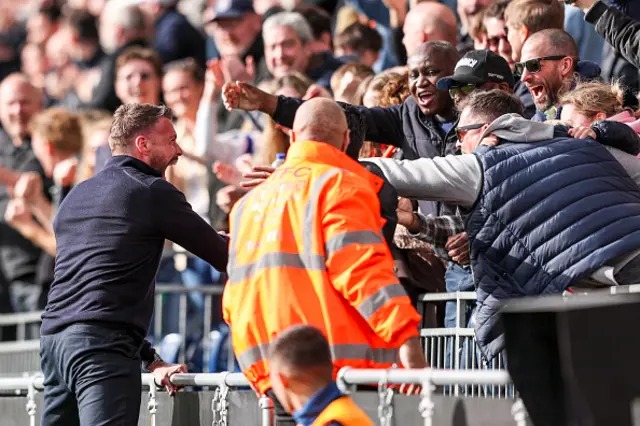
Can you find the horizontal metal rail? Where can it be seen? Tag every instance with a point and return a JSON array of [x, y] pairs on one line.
[[348, 376]]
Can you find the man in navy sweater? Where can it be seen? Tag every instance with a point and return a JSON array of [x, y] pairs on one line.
[[110, 232]]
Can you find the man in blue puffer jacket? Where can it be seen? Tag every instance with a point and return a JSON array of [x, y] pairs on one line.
[[546, 211]]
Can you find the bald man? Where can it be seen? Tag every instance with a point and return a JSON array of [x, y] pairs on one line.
[[429, 21], [306, 248], [19, 102], [550, 67]]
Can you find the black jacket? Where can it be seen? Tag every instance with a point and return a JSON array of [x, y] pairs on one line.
[[110, 231], [619, 30]]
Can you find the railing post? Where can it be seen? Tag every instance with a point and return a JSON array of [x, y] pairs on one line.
[[426, 406], [266, 405], [519, 413], [152, 406], [219, 403], [31, 401]]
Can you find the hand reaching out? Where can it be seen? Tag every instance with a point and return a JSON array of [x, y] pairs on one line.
[[258, 175], [239, 95], [227, 173]]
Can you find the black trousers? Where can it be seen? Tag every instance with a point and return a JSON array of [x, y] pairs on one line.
[[91, 377]]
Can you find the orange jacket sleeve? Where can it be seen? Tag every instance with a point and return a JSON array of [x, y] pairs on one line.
[[359, 263]]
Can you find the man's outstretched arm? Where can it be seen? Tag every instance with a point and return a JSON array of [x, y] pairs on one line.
[[381, 125], [455, 179]]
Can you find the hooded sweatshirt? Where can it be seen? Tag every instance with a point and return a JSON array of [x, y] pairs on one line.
[[458, 179]]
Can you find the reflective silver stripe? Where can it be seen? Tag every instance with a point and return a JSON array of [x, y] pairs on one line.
[[309, 217], [253, 355], [276, 260], [371, 304], [348, 238], [235, 229], [340, 352], [363, 352]]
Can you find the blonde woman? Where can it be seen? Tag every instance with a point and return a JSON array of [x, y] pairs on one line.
[[593, 101]]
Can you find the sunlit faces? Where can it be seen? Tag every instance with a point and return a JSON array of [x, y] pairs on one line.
[[138, 82], [425, 69], [181, 92], [19, 101], [285, 52]]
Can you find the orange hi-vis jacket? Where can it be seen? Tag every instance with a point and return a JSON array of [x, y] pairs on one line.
[[306, 248], [343, 411]]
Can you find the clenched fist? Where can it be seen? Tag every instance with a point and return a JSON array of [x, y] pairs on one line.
[[239, 95], [18, 214], [28, 187]]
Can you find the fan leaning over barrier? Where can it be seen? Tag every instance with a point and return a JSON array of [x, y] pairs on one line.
[[546, 211]]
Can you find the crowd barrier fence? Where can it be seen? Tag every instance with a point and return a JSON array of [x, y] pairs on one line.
[[348, 378]]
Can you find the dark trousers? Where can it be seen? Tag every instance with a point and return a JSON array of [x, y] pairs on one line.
[[91, 377]]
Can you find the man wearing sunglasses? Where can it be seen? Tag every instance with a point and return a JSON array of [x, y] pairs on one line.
[[478, 70], [531, 201], [549, 66]]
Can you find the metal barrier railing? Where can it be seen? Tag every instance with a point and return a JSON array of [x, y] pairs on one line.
[[347, 379], [455, 348]]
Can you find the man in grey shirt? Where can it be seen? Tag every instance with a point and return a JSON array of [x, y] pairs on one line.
[[546, 211]]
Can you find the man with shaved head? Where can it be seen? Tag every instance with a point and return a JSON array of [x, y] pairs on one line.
[[19, 102], [306, 248], [549, 65], [429, 21]]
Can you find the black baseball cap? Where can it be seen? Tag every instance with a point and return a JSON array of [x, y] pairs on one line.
[[479, 67], [226, 9]]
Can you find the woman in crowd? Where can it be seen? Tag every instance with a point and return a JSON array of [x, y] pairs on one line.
[[593, 101]]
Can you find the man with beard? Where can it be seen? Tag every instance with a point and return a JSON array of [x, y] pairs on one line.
[[548, 69], [110, 231]]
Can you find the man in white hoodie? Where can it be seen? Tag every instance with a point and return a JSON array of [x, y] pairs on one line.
[[545, 211]]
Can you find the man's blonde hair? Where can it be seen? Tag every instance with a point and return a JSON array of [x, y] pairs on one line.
[[536, 15], [61, 128]]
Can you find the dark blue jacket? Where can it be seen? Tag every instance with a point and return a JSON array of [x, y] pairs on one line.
[[177, 39], [586, 71], [316, 405], [110, 231], [549, 214]]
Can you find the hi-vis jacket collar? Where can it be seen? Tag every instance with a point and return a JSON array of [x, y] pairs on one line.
[[326, 154]]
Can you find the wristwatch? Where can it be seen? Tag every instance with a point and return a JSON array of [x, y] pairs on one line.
[[148, 364]]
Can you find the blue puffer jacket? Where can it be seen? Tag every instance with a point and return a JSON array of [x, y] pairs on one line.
[[549, 213]]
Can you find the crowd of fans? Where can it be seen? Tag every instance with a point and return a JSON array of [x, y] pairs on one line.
[[65, 66]]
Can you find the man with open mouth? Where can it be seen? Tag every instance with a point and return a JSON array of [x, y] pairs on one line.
[[549, 65]]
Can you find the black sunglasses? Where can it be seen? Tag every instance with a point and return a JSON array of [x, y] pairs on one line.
[[464, 89], [533, 65], [461, 132]]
